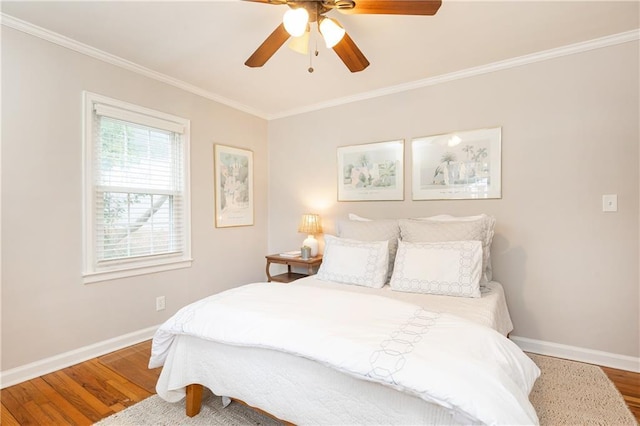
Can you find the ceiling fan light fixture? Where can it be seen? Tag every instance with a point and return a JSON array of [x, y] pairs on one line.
[[331, 31], [300, 44], [295, 21]]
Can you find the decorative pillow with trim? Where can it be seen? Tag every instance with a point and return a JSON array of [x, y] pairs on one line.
[[490, 223], [451, 228], [449, 268], [356, 262], [373, 230]]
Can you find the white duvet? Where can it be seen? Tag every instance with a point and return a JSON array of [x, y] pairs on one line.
[[470, 369]]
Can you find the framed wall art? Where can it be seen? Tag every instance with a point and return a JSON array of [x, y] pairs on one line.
[[233, 169], [371, 172], [459, 165]]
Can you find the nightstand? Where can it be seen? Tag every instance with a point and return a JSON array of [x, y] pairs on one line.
[[289, 276]]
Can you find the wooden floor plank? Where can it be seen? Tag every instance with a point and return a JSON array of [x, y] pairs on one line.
[[16, 408], [61, 404], [147, 378], [73, 392], [36, 403], [144, 347], [58, 417], [96, 382], [26, 392], [132, 391], [132, 364], [628, 383], [42, 417], [6, 418], [106, 374]]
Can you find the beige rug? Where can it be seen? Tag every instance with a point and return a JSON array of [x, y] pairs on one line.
[[573, 393], [567, 393]]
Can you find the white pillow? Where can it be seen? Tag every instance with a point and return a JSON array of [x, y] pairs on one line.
[[373, 230], [450, 268], [354, 262], [353, 216], [450, 218], [451, 228], [490, 223]]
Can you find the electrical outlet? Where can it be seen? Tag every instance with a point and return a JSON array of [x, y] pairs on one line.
[[160, 305]]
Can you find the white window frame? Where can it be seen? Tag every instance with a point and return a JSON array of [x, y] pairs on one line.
[[92, 271]]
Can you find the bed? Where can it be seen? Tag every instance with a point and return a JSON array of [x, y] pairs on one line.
[[322, 351]]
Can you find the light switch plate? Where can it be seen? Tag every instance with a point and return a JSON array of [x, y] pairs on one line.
[[610, 203]]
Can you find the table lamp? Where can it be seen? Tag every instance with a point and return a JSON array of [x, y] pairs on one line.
[[310, 225]]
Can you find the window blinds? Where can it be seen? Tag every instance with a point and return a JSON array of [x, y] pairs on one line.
[[138, 184]]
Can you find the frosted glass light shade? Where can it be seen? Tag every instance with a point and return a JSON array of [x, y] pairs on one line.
[[295, 21], [300, 44], [332, 32]]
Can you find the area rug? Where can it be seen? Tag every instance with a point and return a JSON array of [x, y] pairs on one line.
[[567, 393], [573, 393]]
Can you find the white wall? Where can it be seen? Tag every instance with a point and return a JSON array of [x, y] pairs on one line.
[[570, 133], [46, 310]]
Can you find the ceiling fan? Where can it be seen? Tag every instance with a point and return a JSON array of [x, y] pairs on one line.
[[302, 13]]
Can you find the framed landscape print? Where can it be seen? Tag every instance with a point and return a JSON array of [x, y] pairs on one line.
[[371, 172], [233, 168], [460, 165]]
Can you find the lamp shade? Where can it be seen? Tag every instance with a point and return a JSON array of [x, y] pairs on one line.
[[332, 32], [310, 224], [295, 21], [300, 44]]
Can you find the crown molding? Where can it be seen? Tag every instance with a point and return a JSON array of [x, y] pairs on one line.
[[545, 55], [69, 43]]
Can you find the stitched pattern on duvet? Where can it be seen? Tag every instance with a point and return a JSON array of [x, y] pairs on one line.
[[391, 358]]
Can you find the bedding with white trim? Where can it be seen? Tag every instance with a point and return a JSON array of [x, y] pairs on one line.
[[469, 369]]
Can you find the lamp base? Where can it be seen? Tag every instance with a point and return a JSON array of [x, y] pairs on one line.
[[312, 243]]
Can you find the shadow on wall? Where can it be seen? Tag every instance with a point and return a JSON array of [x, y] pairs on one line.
[[509, 269]]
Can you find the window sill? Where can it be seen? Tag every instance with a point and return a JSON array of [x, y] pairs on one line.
[[94, 277]]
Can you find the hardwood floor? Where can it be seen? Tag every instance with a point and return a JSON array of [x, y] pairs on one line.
[[85, 393], [628, 384]]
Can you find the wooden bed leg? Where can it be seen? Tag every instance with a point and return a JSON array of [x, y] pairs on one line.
[[194, 399]]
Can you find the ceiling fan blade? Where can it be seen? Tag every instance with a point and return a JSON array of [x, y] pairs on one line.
[[352, 57], [268, 47], [396, 7]]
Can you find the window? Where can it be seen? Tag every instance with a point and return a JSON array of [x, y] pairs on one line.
[[136, 190]]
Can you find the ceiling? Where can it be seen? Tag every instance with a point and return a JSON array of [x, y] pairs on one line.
[[204, 44]]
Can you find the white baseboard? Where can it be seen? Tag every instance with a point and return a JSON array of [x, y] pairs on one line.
[[589, 356], [57, 362]]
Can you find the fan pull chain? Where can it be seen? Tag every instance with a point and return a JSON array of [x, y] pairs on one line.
[[315, 53]]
